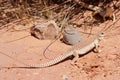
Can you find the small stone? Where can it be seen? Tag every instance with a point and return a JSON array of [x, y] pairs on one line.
[[71, 36], [65, 77]]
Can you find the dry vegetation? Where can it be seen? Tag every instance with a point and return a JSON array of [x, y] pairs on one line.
[[64, 12]]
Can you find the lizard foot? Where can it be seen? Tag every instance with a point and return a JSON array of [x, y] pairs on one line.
[[97, 50]]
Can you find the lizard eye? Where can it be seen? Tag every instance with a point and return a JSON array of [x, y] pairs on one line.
[[102, 33]]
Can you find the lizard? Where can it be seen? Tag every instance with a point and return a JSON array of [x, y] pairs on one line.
[[80, 48]]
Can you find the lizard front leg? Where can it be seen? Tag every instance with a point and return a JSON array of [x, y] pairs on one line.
[[97, 50]]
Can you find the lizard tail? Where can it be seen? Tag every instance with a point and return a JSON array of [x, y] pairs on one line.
[[47, 64], [50, 63]]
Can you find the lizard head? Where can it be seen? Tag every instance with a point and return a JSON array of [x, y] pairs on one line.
[[101, 36]]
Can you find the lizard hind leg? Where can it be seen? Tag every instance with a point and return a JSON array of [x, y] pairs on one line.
[[76, 56]]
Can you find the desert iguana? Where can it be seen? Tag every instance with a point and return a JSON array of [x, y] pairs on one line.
[[81, 48]]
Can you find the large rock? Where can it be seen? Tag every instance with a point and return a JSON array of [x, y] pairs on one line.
[[47, 30]]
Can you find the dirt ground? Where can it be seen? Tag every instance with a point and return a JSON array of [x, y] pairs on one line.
[[92, 66]]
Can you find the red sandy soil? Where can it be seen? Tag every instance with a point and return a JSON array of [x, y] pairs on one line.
[[92, 66]]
